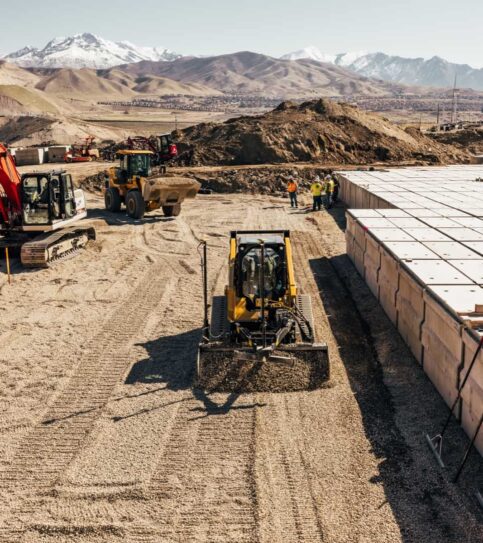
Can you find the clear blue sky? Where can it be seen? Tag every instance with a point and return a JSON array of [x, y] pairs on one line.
[[451, 29]]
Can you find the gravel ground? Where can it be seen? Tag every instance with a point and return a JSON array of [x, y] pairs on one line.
[[104, 438]]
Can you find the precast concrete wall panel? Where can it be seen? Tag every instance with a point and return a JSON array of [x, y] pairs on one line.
[[419, 247]]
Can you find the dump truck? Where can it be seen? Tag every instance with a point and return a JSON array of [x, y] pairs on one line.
[[261, 334], [142, 188]]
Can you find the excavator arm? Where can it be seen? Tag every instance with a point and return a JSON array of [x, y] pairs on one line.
[[10, 185]]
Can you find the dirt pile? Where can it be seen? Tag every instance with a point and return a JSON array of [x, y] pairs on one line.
[[257, 180], [250, 180], [469, 139], [316, 131], [93, 183], [22, 127]]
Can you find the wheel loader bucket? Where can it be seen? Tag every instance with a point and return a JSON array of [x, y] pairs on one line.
[[288, 368]]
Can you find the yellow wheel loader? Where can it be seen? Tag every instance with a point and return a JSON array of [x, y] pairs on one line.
[[141, 189], [261, 335]]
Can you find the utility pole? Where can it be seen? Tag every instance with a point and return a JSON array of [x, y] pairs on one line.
[[454, 110], [437, 117]]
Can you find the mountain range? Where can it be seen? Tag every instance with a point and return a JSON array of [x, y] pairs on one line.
[[90, 51], [252, 73], [86, 51], [433, 72]]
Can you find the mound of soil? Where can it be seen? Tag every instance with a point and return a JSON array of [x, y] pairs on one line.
[[469, 139], [257, 181], [22, 127], [320, 131], [250, 180], [94, 183]]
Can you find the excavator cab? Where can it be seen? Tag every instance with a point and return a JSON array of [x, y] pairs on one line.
[[167, 149], [48, 198], [35, 211]]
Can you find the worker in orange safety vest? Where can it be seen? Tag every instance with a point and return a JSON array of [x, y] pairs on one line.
[[292, 189]]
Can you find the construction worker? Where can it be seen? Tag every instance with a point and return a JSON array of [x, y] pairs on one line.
[[292, 189], [336, 190], [329, 191], [316, 190]]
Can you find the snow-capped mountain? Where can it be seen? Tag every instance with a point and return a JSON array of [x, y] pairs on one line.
[[433, 72], [87, 51], [314, 53]]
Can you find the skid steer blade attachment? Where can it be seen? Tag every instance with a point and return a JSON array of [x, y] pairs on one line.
[[288, 368]]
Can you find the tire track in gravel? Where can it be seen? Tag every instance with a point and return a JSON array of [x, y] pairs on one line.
[[203, 484], [291, 508], [51, 445]]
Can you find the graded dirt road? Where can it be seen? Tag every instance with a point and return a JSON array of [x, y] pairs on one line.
[[103, 438]]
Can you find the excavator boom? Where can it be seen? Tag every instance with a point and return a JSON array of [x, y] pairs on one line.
[[10, 182]]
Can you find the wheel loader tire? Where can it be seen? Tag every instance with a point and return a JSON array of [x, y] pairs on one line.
[[172, 211], [112, 199], [135, 204]]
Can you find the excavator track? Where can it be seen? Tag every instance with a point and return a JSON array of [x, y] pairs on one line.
[[49, 248]]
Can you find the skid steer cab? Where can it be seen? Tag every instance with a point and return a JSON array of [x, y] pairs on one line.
[[141, 189]]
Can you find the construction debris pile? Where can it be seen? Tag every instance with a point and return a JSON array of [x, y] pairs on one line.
[[321, 131]]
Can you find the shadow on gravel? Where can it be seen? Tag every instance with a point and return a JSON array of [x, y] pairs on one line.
[[211, 407], [425, 504], [121, 218], [170, 360]]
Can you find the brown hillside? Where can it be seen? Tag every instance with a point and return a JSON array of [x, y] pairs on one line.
[[82, 83], [321, 131], [10, 74], [149, 84], [252, 73]]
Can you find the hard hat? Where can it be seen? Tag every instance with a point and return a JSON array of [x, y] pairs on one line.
[[317, 178]]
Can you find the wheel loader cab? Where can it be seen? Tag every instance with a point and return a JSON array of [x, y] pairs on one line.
[[134, 165]]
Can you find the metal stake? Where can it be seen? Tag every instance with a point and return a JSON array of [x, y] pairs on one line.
[[7, 260], [262, 294]]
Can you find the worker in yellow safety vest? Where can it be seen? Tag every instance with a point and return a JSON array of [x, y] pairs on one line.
[[329, 191], [316, 190], [292, 189]]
